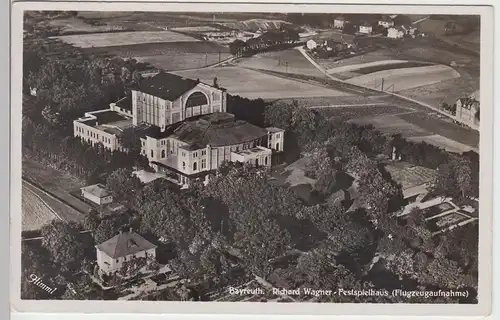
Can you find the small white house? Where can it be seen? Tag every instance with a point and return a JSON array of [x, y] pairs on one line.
[[365, 28], [97, 193], [125, 246], [395, 33], [339, 22], [311, 44], [386, 22]]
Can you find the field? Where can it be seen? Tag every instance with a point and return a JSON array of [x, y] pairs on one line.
[[58, 184], [347, 113], [124, 38], [289, 61], [35, 213], [254, 84], [74, 25], [372, 68], [406, 78]]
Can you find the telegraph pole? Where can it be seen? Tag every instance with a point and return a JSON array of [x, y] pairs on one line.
[[206, 59], [219, 56], [382, 88], [286, 67]]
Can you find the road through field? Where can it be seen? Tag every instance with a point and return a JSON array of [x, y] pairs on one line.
[[446, 129]]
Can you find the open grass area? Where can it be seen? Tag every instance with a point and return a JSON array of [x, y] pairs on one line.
[[124, 38], [253, 84], [289, 61], [347, 113], [58, 184], [376, 68], [406, 78]]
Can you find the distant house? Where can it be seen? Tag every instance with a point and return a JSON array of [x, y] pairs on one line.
[[311, 44], [386, 22], [467, 110], [125, 246], [97, 193], [409, 30], [395, 32], [365, 28], [339, 22]]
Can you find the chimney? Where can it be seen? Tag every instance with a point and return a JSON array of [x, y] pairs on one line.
[[216, 82]]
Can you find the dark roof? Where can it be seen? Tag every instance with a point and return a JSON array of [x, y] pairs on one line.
[[167, 86], [385, 19], [108, 116], [125, 103], [216, 134], [124, 244]]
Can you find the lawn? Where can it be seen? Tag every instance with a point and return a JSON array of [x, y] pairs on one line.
[[124, 38], [347, 113], [376, 68], [406, 78], [253, 84], [183, 61], [288, 61]]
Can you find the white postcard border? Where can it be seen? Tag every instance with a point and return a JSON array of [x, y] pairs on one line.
[[486, 169]]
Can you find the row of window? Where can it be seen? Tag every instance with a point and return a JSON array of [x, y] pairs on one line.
[[93, 135], [195, 165]]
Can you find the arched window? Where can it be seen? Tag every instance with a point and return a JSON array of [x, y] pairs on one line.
[[278, 146], [196, 99], [256, 162], [195, 165], [163, 153], [265, 161], [183, 165]]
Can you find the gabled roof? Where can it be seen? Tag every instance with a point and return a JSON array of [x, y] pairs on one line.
[[124, 244], [167, 86], [97, 190], [216, 134]]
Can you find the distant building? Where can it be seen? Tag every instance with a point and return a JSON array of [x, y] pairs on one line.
[[365, 28], [339, 22], [467, 110], [97, 193], [311, 44], [125, 246], [395, 33], [386, 22]]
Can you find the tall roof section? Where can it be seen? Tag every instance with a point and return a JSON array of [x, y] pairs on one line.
[[167, 86]]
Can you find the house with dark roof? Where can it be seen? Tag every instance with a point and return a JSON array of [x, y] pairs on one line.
[[166, 98], [195, 148], [386, 22], [97, 193], [339, 22], [125, 246], [183, 127], [365, 28]]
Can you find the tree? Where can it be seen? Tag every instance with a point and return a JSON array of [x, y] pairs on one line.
[[64, 243], [92, 220], [124, 185], [129, 139], [236, 47]]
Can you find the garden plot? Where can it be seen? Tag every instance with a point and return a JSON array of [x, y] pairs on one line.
[[124, 38], [406, 78], [369, 68], [254, 84]]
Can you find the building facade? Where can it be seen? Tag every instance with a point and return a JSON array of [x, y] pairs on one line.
[[339, 22], [386, 22], [395, 33], [365, 28], [196, 148], [166, 99], [97, 193], [467, 110], [125, 246]]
